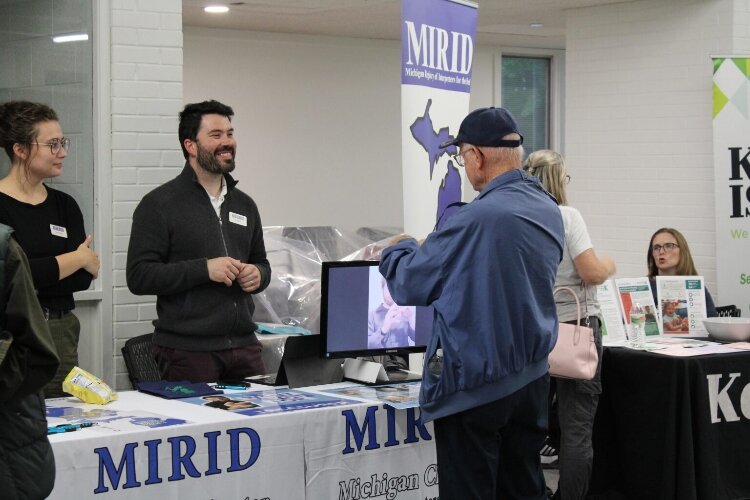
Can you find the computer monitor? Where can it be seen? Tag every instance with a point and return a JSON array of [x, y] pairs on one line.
[[359, 319], [300, 364]]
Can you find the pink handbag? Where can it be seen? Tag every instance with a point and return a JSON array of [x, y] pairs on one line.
[[574, 355]]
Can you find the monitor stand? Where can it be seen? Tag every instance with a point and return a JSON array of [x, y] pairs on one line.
[[369, 372]]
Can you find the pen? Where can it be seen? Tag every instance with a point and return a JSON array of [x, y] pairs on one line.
[[225, 386], [58, 429]]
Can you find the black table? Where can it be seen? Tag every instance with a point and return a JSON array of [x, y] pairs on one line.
[[673, 427]]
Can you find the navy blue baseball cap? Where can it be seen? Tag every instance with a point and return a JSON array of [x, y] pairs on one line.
[[487, 127]]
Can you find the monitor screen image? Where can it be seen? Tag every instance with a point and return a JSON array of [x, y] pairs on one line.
[[358, 317]]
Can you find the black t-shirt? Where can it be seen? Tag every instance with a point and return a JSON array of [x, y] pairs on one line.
[[51, 228]]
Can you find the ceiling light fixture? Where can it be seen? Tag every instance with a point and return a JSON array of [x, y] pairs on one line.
[[536, 25], [70, 37], [216, 9]]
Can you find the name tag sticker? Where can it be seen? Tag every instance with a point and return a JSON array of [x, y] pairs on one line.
[[58, 231], [238, 219]]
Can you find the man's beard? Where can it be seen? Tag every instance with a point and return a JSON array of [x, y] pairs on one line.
[[213, 165]]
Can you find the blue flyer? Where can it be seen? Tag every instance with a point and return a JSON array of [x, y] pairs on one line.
[[269, 401]]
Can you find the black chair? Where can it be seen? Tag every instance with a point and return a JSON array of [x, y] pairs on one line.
[[730, 311], [139, 360]]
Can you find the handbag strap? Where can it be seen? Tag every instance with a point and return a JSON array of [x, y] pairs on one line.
[[586, 303], [575, 296], [586, 320]]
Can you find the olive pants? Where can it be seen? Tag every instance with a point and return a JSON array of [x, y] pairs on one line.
[[65, 333]]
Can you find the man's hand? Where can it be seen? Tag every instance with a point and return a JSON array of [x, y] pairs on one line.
[[248, 278], [224, 270], [397, 238]]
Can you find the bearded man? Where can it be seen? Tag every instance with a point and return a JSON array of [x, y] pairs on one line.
[[197, 244]]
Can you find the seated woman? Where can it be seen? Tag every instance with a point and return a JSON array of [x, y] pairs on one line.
[[669, 255]]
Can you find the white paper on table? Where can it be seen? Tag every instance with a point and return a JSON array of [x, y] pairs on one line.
[[609, 306], [637, 290], [685, 352], [682, 341], [745, 346], [687, 296]]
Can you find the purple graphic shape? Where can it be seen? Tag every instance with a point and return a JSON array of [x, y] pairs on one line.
[[72, 412], [424, 133], [156, 422], [449, 192]]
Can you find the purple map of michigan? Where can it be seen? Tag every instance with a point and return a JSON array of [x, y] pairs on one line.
[[449, 192], [424, 133], [449, 196]]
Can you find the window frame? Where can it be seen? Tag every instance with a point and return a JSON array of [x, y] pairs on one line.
[[556, 88]]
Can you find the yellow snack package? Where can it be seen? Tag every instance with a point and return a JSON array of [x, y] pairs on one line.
[[87, 387]]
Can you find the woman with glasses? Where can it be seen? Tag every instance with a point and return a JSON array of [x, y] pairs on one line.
[[48, 223], [581, 270], [669, 255]]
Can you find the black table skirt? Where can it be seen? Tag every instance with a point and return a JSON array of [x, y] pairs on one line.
[[656, 435]]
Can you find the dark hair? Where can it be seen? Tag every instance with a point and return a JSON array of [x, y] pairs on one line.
[[18, 123], [216, 404], [190, 119], [685, 266]]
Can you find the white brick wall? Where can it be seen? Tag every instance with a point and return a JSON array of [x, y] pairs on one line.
[[638, 123], [741, 26], [146, 96]]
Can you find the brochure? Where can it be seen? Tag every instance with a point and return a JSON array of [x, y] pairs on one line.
[[682, 305], [613, 330], [638, 291], [98, 419], [269, 401], [397, 395]]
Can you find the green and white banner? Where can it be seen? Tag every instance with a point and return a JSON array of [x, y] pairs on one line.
[[731, 118]]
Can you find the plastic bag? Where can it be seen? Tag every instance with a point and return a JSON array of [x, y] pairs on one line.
[[87, 387]]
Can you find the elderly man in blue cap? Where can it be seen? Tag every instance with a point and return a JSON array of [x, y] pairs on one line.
[[489, 274]]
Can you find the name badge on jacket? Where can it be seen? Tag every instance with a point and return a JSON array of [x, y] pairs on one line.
[[58, 231], [238, 219]]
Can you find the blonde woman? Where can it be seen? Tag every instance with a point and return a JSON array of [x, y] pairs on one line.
[[581, 270]]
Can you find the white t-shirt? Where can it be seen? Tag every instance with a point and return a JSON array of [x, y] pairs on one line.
[[577, 241]]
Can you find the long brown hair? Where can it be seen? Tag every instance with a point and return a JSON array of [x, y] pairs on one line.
[[685, 266]]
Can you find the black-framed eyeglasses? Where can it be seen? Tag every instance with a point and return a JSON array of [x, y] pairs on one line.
[[667, 247], [567, 178], [55, 145]]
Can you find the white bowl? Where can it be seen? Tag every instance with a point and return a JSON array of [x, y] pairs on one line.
[[731, 329]]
